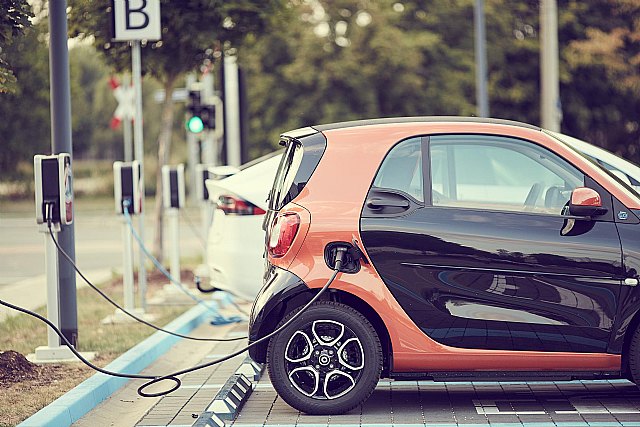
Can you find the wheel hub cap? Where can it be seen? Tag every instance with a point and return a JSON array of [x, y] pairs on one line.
[[324, 359]]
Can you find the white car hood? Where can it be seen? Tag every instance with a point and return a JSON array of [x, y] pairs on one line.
[[252, 184]]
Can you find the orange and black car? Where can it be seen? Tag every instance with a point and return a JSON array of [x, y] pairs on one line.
[[478, 249]]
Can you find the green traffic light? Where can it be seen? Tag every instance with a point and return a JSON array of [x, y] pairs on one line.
[[195, 125]]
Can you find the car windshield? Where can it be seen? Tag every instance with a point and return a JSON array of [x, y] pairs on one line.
[[624, 171]]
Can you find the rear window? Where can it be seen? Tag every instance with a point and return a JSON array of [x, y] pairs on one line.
[[296, 167]]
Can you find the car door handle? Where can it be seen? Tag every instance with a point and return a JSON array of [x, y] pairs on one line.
[[381, 203]]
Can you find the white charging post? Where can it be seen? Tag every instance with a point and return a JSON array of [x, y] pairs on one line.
[[127, 195], [173, 199], [206, 211], [54, 206]]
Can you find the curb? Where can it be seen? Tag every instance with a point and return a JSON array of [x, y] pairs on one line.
[[78, 401], [229, 400]]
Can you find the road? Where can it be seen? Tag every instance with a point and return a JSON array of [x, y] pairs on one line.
[[98, 238]]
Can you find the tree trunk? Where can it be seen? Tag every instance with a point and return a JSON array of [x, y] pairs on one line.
[[164, 149]]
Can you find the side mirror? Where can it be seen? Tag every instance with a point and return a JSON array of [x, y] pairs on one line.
[[586, 202]]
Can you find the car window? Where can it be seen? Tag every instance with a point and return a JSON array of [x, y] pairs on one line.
[[402, 169], [499, 173]]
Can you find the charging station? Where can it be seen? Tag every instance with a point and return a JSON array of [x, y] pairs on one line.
[[202, 175], [127, 186], [173, 186], [173, 200], [54, 207], [53, 189], [127, 192]]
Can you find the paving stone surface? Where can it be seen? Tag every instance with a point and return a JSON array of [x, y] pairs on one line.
[[613, 403]]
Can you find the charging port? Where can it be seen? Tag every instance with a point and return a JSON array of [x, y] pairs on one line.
[[350, 263]]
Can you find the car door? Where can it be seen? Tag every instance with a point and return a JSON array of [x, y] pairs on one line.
[[483, 254]]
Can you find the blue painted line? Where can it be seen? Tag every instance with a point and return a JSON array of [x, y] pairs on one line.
[[73, 405]]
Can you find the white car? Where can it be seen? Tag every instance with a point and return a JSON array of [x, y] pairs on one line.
[[235, 245]]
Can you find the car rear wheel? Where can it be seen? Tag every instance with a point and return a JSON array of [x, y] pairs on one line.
[[634, 357], [328, 361]]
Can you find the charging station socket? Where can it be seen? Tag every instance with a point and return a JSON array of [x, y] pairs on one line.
[[54, 188], [349, 264], [173, 186], [127, 186]]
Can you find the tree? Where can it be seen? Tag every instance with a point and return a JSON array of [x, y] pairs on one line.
[[25, 125], [14, 19], [189, 29]]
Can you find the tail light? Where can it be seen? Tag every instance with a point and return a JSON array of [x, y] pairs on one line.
[[232, 205], [283, 231]]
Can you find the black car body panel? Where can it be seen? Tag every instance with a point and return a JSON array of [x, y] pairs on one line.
[[281, 288], [499, 280]]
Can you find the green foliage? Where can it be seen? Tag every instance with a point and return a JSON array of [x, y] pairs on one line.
[[417, 58], [25, 124], [189, 28], [14, 19]]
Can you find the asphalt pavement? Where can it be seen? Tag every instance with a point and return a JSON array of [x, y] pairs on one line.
[[98, 247]]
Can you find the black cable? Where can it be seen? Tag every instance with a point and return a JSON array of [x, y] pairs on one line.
[[157, 263], [338, 266], [115, 304], [85, 361], [173, 376]]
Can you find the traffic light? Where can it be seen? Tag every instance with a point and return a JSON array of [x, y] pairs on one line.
[[201, 116], [194, 122]]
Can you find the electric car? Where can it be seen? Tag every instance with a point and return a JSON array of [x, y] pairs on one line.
[[235, 243], [471, 249]]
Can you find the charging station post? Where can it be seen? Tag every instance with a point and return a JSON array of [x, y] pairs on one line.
[[128, 198], [173, 200], [203, 173], [54, 207]]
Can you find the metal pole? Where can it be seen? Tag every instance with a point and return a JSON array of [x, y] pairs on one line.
[[551, 112], [138, 143], [61, 143], [126, 128], [209, 142], [127, 268], [53, 299], [192, 147], [232, 111], [174, 230], [480, 43]]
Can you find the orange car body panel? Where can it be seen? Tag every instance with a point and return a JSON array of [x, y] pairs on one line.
[[344, 176]]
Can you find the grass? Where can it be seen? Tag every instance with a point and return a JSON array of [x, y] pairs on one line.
[[23, 333]]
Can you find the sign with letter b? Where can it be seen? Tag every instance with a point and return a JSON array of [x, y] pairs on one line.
[[136, 20]]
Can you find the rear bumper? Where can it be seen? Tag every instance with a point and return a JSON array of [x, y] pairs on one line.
[[279, 295]]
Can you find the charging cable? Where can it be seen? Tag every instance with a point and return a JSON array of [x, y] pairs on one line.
[[218, 318], [338, 266], [174, 376], [133, 316]]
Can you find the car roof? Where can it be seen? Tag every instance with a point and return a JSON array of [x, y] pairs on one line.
[[423, 119]]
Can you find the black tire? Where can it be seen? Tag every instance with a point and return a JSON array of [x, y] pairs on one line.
[[329, 382], [634, 357]]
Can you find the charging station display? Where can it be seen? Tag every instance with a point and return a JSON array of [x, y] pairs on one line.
[[202, 175], [54, 188], [173, 186], [126, 186]]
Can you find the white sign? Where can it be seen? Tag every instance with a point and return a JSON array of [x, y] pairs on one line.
[[126, 105], [136, 20]]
